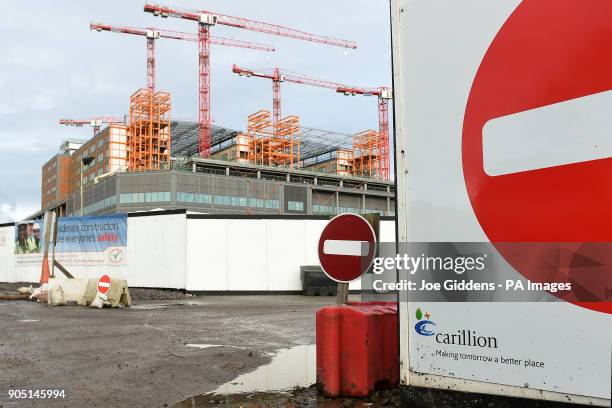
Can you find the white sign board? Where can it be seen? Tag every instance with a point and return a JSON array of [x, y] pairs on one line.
[[500, 116]]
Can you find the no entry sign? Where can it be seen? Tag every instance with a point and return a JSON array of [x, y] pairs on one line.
[[104, 284], [537, 141], [347, 247]]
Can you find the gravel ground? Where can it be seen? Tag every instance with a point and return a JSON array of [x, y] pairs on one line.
[[298, 397], [137, 294], [138, 356]]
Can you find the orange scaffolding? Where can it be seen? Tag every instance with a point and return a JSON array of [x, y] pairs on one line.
[[368, 147], [272, 144], [149, 137]]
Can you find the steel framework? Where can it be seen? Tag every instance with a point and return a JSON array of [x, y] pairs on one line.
[[272, 144], [206, 20], [367, 151], [149, 136], [384, 95]]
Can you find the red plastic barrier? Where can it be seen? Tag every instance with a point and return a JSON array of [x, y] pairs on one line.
[[357, 348]]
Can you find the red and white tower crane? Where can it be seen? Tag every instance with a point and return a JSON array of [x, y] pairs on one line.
[[95, 122], [206, 20], [384, 95], [278, 76], [153, 34]]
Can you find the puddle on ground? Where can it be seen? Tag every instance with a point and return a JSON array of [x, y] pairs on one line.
[[286, 382], [291, 367], [28, 320], [206, 346]]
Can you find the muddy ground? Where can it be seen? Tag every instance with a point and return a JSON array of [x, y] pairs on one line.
[[137, 357], [299, 397]]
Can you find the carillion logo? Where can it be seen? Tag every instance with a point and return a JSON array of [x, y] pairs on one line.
[[422, 326], [463, 337]]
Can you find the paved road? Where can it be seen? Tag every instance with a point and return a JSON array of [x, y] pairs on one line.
[[138, 356]]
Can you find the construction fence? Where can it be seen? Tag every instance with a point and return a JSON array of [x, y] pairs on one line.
[[197, 252]]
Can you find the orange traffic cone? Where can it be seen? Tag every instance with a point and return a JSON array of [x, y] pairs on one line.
[[45, 274]]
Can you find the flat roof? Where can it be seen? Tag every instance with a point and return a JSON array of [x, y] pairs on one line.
[[313, 142]]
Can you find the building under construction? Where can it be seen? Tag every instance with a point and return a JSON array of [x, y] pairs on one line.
[[312, 176], [147, 160]]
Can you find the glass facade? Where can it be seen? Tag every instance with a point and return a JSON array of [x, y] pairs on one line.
[[155, 197]]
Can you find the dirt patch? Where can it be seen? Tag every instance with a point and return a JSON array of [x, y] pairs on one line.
[[297, 397], [158, 294], [139, 357], [12, 287]]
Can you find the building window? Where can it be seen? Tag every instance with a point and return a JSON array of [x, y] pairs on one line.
[[222, 200], [256, 203], [151, 197], [203, 198], [272, 204], [185, 197], [323, 209], [295, 206], [125, 198], [238, 201]]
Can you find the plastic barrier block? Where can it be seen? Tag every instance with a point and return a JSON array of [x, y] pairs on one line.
[[357, 348]]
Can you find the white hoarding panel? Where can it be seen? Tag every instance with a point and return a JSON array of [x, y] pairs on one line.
[[156, 251], [499, 119], [207, 253]]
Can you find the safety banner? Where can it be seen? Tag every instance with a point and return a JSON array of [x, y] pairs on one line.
[[92, 241]]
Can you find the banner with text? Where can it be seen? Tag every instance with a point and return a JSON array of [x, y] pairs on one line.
[[92, 241]]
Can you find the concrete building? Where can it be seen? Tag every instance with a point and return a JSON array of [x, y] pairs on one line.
[[226, 183], [56, 175], [222, 187], [108, 151]]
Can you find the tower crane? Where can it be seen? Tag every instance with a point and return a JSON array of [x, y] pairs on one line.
[[207, 19], [153, 34], [278, 76], [95, 122], [384, 95]]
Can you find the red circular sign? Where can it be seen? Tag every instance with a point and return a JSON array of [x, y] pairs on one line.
[[104, 284], [546, 53], [347, 247]]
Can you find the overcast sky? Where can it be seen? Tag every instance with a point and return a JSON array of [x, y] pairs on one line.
[[52, 66]]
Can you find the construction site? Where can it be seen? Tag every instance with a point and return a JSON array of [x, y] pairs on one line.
[[306, 204], [211, 210], [147, 160]]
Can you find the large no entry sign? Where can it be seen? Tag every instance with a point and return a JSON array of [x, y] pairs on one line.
[[347, 247], [104, 284], [537, 142]]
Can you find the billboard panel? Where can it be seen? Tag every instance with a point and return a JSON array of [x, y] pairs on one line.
[[92, 241], [81, 241]]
